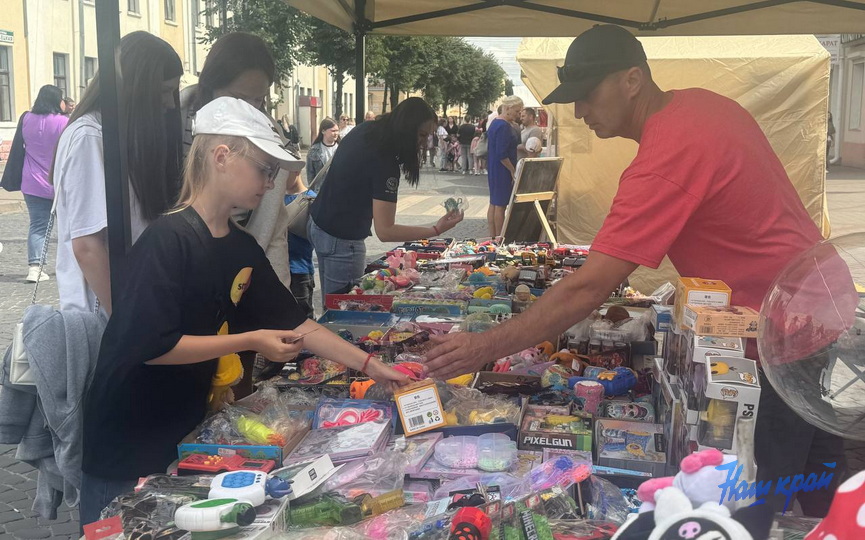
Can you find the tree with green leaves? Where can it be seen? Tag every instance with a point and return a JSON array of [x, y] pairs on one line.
[[332, 47], [509, 87], [281, 26]]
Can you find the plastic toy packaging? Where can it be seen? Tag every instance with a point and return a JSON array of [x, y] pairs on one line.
[[496, 452], [477, 322], [510, 487], [606, 502], [148, 513], [582, 530], [457, 203], [476, 408], [251, 427], [459, 452], [625, 410], [345, 412], [562, 472], [325, 510], [376, 475]]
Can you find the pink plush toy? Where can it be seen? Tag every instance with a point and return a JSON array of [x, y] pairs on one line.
[[698, 478]]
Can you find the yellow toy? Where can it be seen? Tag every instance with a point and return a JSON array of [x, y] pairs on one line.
[[229, 371], [484, 292], [258, 433], [461, 380]]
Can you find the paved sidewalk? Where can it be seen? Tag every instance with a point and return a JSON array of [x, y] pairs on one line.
[[846, 193]]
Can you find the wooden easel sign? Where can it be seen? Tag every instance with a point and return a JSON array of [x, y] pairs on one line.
[[534, 190]]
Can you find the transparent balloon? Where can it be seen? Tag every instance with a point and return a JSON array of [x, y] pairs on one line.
[[811, 336]]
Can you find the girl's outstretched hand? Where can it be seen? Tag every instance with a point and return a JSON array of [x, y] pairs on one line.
[[277, 345], [386, 376]]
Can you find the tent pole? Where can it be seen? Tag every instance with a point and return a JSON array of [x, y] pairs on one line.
[[360, 29], [113, 139]]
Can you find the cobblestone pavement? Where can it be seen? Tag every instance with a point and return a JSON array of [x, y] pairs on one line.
[[416, 207]]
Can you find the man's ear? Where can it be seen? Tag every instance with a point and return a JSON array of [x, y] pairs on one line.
[[635, 80]]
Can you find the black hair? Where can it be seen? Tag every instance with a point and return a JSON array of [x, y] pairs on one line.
[[530, 111], [230, 56], [325, 125], [154, 140], [48, 100], [396, 134]]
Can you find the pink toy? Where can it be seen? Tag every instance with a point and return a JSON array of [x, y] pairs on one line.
[[698, 478], [592, 393]]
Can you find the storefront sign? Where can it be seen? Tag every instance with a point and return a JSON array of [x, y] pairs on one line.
[[734, 489], [831, 43], [7, 36]]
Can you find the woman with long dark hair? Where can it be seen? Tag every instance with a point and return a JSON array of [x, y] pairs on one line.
[[240, 65], [361, 189], [40, 129], [323, 148], [150, 76]]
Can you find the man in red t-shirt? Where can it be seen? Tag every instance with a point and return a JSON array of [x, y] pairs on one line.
[[707, 190]]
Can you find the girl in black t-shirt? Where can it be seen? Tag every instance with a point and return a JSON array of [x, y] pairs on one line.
[[194, 273]]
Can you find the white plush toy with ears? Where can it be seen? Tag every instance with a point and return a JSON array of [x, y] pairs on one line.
[[698, 478], [675, 518]]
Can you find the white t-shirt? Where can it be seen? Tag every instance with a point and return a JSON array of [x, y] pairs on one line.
[[344, 131], [79, 181]]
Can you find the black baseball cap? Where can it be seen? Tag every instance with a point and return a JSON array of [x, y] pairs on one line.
[[593, 55]]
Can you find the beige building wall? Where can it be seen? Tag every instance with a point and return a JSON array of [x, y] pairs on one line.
[[13, 41]]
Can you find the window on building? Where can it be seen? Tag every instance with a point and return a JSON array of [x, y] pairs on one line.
[[6, 113], [208, 12], [321, 98], [169, 11], [195, 12], [857, 82], [90, 66], [132, 6], [61, 80]]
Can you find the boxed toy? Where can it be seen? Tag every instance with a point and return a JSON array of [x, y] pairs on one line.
[[671, 413], [675, 353], [699, 292], [702, 350], [637, 446], [419, 406], [661, 317], [732, 391], [723, 321], [540, 430]]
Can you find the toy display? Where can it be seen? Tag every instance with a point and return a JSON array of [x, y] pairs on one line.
[[620, 427]]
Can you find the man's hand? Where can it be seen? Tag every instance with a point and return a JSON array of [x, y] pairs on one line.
[[456, 354]]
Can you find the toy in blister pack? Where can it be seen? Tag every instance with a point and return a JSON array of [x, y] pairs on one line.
[[582, 530], [624, 410], [345, 412], [562, 472], [325, 510]]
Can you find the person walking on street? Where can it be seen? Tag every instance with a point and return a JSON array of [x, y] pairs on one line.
[[442, 135], [345, 126], [530, 129], [300, 252], [502, 162], [41, 129], [465, 134], [706, 189], [323, 148]]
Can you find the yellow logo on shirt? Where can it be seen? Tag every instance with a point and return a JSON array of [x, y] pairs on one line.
[[241, 283]]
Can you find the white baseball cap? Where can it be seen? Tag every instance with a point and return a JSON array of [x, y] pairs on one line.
[[534, 144], [236, 117]]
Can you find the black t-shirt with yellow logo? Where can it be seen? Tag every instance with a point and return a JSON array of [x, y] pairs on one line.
[[358, 174], [135, 413]]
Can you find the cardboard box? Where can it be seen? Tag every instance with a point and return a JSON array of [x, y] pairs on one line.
[[637, 446], [722, 321], [384, 301], [699, 292], [701, 351], [428, 307], [486, 382], [732, 392], [661, 317], [420, 407], [188, 446], [536, 435]]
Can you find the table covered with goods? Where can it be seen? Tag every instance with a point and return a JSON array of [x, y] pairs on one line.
[[619, 428]]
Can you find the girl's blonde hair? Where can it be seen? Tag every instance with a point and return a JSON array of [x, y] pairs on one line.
[[511, 101], [196, 172]]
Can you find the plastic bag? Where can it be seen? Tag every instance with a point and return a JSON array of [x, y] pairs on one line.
[[562, 472], [511, 487], [606, 502], [375, 475]]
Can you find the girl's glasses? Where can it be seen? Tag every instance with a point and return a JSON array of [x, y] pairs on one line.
[[269, 171]]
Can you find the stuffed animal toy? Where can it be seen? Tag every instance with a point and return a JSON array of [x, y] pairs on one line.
[[698, 478], [675, 518], [846, 518]]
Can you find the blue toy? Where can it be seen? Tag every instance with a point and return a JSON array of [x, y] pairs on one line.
[[616, 381]]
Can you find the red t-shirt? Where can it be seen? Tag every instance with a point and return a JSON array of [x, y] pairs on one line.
[[707, 189]]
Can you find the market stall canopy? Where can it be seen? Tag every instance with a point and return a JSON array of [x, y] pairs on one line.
[[783, 81], [572, 17]]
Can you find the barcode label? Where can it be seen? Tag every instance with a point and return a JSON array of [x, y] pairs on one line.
[[415, 421], [705, 329]]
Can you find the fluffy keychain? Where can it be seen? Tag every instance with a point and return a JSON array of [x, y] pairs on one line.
[[229, 372]]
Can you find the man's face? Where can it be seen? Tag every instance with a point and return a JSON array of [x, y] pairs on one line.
[[606, 109], [526, 118]]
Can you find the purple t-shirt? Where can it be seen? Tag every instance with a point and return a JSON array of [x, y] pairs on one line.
[[41, 133]]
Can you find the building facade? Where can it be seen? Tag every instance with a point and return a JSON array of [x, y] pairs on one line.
[[54, 42]]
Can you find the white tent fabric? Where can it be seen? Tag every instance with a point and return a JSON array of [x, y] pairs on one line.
[[783, 81], [572, 17]]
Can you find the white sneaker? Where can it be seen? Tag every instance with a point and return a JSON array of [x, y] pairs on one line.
[[33, 275]]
